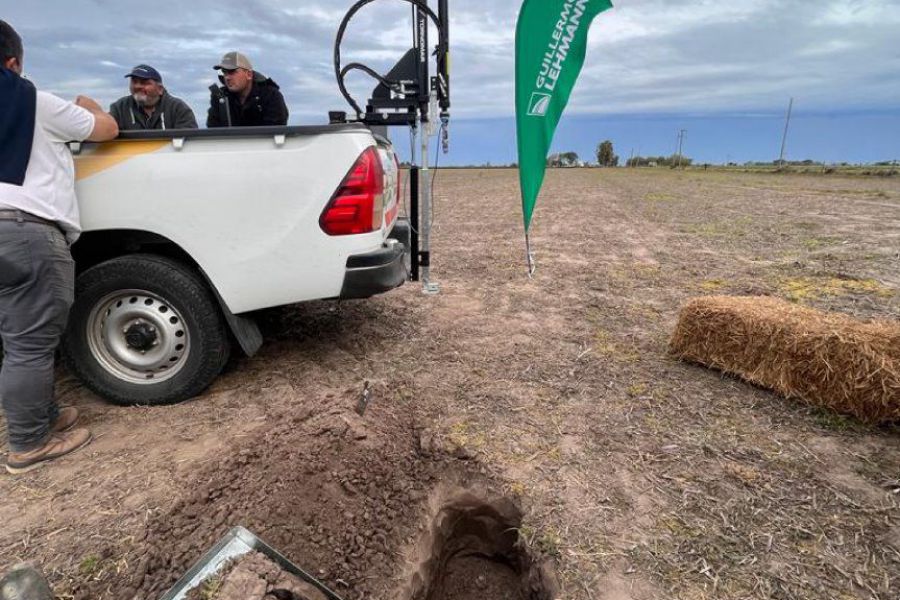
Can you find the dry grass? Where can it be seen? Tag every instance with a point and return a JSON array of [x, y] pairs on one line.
[[825, 359]]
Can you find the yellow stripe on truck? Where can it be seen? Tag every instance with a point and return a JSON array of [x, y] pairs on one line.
[[109, 154]]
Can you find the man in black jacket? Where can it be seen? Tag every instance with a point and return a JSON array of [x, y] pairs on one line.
[[150, 106], [247, 99]]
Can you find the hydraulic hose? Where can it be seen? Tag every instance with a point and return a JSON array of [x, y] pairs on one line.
[[374, 74], [340, 74]]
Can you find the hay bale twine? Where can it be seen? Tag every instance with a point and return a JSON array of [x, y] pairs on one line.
[[825, 359]]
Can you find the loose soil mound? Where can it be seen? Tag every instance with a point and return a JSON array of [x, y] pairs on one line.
[[340, 496], [825, 359]]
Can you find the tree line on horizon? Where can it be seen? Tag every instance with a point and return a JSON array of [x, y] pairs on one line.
[[606, 157]]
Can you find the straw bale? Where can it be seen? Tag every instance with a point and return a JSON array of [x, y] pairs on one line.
[[824, 359]]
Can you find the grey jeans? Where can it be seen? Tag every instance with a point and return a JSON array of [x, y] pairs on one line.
[[37, 288]]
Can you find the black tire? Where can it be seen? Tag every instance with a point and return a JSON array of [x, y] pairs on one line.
[[139, 309]]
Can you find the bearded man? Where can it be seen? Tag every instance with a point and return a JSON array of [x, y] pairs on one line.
[[150, 106]]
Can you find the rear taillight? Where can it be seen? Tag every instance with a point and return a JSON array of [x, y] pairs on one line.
[[390, 215], [358, 204]]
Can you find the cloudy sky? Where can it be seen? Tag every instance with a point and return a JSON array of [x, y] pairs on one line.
[[722, 70]]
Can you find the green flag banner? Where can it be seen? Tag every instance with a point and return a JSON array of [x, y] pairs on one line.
[[551, 39]]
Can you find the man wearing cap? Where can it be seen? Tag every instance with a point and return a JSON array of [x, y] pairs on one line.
[[150, 106], [38, 220], [247, 99]]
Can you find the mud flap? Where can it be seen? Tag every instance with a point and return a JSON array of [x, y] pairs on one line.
[[245, 329]]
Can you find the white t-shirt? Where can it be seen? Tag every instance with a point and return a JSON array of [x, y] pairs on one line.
[[49, 187]]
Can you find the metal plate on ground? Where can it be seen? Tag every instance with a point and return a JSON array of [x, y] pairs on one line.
[[237, 542]]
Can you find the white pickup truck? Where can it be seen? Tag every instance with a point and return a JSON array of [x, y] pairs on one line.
[[188, 231]]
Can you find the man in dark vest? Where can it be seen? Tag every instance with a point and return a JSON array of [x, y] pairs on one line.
[[247, 99], [38, 221], [150, 106]]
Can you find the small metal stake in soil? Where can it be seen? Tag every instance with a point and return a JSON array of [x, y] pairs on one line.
[[363, 402]]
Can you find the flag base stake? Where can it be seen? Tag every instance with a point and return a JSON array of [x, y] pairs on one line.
[[532, 267]]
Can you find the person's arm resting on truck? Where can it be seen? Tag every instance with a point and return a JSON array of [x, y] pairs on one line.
[[105, 127], [70, 121]]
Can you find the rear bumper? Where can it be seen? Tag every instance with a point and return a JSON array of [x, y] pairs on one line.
[[375, 272]]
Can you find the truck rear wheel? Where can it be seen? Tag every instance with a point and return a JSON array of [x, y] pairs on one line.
[[145, 330]]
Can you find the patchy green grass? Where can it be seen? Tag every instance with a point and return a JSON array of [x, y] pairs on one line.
[[799, 289], [464, 434], [817, 243], [836, 422], [637, 389], [89, 566], [605, 344], [210, 587], [731, 228], [712, 285], [659, 197], [545, 540]]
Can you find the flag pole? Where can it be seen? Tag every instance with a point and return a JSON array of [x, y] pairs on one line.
[[529, 256], [551, 45]]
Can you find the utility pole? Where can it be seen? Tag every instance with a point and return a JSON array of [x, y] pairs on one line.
[[787, 122], [681, 133], [631, 160]]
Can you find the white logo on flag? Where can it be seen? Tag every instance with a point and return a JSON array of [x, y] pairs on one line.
[[538, 105]]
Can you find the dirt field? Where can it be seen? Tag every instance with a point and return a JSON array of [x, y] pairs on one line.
[[553, 401]]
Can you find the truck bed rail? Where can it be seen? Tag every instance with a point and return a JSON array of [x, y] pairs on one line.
[[242, 132]]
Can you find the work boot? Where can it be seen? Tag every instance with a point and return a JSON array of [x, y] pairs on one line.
[[58, 444], [67, 418], [25, 582]]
